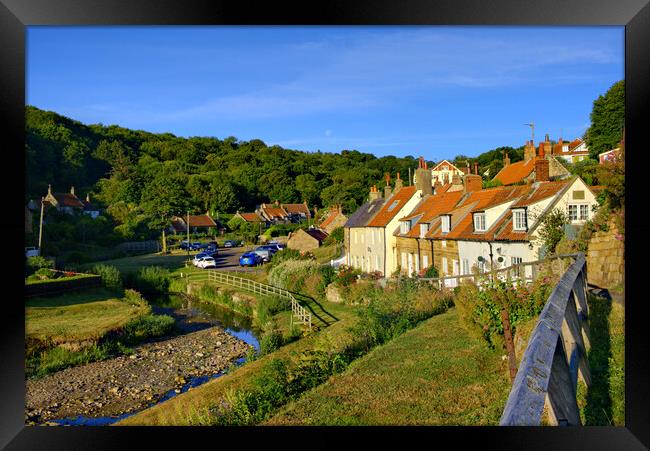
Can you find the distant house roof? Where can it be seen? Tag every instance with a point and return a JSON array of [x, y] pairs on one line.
[[250, 217], [201, 221], [540, 191], [364, 214], [318, 234], [575, 143], [330, 218], [297, 209], [392, 206], [445, 165], [68, 200], [431, 207], [272, 211], [516, 172]]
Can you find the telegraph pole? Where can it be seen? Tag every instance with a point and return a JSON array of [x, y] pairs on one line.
[[187, 226], [40, 228]]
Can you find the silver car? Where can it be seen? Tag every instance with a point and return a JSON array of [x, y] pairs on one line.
[[264, 253]]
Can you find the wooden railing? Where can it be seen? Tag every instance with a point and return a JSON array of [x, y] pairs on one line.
[[555, 357], [525, 272], [261, 288]]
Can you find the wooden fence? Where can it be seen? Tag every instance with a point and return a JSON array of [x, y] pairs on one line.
[[555, 357], [524, 272], [297, 310]]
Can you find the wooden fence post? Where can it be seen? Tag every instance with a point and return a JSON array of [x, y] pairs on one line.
[[563, 407]]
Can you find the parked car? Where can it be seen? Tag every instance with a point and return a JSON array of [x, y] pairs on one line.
[[230, 243], [185, 245], [275, 245], [207, 253], [265, 254], [269, 247], [206, 262], [32, 252], [250, 259]]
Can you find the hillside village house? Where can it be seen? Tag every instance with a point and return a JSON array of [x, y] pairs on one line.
[[273, 213], [297, 212], [306, 240], [334, 219], [65, 202], [611, 155], [444, 171], [249, 217], [572, 152], [372, 243], [525, 171], [197, 223], [356, 224], [90, 209]]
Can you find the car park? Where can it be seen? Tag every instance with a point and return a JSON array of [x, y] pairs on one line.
[[32, 252], [230, 243], [250, 259]]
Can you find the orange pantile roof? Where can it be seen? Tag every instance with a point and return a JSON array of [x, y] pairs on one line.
[[516, 172], [273, 212], [68, 200], [432, 207], [505, 232], [201, 221], [597, 189], [330, 218], [479, 201], [392, 207], [296, 208], [250, 217], [540, 191], [575, 143], [443, 189]]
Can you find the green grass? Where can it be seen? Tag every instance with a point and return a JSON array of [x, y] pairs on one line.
[[603, 403], [58, 280], [435, 374], [175, 260], [80, 316]]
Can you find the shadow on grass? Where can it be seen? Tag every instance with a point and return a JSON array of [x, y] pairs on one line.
[[83, 297], [309, 303], [598, 410]]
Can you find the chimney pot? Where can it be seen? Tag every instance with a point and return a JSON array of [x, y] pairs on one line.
[[475, 168], [72, 190], [541, 170]]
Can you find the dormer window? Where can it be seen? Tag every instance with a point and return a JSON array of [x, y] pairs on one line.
[[446, 223], [479, 222], [424, 228], [519, 222], [404, 227]]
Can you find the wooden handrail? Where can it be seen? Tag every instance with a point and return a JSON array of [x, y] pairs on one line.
[[297, 310], [555, 357]]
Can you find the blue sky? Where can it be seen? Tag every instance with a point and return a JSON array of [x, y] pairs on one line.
[[431, 91]]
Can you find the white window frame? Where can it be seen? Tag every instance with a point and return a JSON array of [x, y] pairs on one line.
[[424, 228], [519, 220], [465, 269], [404, 267], [425, 261], [444, 265], [479, 222], [583, 208], [404, 227], [446, 223]]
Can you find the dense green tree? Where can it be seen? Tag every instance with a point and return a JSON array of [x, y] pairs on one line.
[[607, 121]]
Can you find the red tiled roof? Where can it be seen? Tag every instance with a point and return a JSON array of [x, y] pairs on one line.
[[516, 172], [443, 189], [68, 200], [432, 207], [481, 200], [273, 212], [596, 189], [250, 217], [330, 218], [296, 208], [540, 191], [386, 214], [575, 143], [505, 232], [201, 221]]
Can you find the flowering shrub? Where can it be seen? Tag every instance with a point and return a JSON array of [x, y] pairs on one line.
[[480, 310]]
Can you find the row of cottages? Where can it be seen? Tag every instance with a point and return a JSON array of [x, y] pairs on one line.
[[65, 202], [312, 238], [458, 226]]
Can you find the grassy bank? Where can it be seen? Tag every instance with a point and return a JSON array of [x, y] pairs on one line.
[[603, 403], [80, 328], [435, 374]]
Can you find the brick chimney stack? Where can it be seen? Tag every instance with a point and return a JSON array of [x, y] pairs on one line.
[[506, 159], [476, 168], [472, 182], [374, 193], [529, 150], [387, 189], [541, 170], [547, 146], [423, 178], [399, 183]]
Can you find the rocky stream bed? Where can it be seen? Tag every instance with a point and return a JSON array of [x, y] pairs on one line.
[[130, 383]]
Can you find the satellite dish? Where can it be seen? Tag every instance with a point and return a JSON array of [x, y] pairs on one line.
[[481, 259]]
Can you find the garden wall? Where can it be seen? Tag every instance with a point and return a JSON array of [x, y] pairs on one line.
[[606, 258]]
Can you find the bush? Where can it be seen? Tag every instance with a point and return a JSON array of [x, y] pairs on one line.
[[431, 272], [134, 298], [291, 274], [147, 326], [270, 341], [110, 275], [286, 254], [335, 237], [480, 310], [33, 264], [149, 280]]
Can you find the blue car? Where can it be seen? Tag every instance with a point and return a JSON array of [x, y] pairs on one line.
[[250, 259]]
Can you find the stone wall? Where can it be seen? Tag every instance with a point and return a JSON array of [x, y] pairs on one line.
[[606, 259]]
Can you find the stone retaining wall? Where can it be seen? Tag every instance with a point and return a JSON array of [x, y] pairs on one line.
[[606, 259]]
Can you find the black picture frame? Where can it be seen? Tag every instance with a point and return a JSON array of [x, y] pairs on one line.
[[15, 15]]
